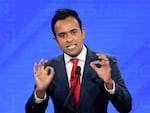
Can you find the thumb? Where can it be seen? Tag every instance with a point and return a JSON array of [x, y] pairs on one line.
[[93, 65], [50, 71]]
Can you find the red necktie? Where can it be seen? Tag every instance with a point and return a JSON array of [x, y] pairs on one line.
[[75, 81]]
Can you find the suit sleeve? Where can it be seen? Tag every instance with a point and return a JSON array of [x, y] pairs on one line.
[[32, 107], [121, 100]]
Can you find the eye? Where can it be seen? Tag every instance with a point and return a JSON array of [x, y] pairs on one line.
[[74, 31], [61, 35]]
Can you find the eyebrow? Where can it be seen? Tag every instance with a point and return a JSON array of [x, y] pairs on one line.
[[73, 29], [67, 31], [61, 33]]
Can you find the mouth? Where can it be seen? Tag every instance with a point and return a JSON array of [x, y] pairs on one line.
[[72, 46]]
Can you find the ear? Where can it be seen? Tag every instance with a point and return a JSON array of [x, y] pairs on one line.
[[83, 33]]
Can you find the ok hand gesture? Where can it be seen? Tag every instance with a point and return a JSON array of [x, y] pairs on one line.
[[42, 77], [104, 71]]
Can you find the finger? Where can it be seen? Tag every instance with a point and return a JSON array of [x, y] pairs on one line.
[[102, 56], [93, 65], [34, 68], [95, 62], [50, 71], [104, 59], [41, 64], [98, 62], [45, 61]]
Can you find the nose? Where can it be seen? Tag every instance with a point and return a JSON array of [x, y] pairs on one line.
[[69, 38]]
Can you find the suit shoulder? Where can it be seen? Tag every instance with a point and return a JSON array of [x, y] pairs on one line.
[[54, 60], [109, 56]]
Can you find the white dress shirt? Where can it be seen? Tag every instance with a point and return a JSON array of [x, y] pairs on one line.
[[81, 62]]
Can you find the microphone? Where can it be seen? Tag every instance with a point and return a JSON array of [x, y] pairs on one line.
[[78, 73]]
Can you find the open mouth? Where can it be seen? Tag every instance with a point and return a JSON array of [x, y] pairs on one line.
[[71, 46]]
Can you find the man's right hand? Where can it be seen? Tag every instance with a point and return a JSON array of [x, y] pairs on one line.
[[42, 77]]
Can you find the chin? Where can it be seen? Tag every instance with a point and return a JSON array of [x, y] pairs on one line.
[[73, 55]]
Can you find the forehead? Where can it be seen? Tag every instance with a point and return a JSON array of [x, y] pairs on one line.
[[66, 24]]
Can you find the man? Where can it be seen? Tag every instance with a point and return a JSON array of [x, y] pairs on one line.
[[88, 90]]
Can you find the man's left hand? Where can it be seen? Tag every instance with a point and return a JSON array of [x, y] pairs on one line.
[[104, 71]]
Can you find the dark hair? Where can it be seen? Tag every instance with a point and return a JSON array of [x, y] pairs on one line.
[[61, 14]]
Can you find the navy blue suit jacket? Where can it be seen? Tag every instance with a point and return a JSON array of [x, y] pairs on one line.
[[93, 96]]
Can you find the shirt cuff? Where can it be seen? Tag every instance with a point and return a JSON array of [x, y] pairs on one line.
[[39, 100], [112, 91]]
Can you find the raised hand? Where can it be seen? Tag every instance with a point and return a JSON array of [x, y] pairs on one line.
[[42, 77], [104, 71]]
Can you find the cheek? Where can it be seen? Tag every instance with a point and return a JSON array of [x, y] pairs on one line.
[[82, 37], [61, 43], [81, 40]]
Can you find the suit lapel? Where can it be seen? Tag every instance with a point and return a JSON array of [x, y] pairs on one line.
[[62, 79]]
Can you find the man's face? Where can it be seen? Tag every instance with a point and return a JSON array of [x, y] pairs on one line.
[[69, 36]]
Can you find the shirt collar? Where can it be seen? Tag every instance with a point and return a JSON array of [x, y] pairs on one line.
[[81, 56]]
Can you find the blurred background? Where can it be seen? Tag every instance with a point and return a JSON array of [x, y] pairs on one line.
[[118, 27]]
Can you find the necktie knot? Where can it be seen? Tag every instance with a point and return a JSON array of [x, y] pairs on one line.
[[74, 60]]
